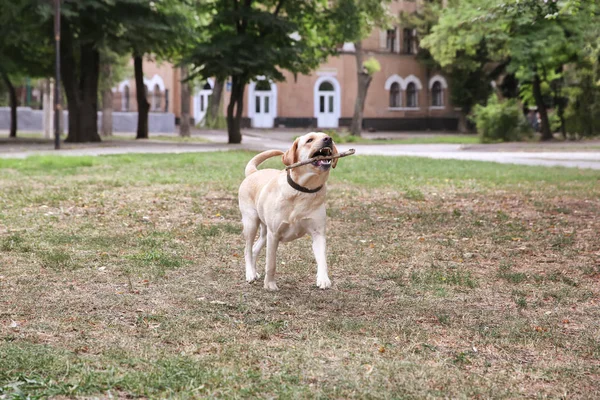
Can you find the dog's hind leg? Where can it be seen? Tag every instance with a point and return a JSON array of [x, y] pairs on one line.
[[251, 224], [259, 244]]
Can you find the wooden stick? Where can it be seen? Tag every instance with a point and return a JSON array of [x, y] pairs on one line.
[[319, 158]]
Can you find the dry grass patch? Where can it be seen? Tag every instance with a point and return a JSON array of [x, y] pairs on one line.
[[443, 287]]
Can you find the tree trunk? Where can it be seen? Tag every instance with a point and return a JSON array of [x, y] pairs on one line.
[[235, 109], [13, 104], [539, 102], [90, 75], [561, 116], [463, 126], [142, 101], [107, 101], [48, 108], [81, 90], [184, 120], [214, 102], [363, 82], [69, 78]]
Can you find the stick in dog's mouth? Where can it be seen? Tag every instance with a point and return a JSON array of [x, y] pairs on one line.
[[322, 152], [316, 157]]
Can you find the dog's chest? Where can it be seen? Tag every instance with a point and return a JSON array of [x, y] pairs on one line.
[[297, 222], [291, 230]]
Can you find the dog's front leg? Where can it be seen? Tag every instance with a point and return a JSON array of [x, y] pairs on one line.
[[272, 244], [319, 246]]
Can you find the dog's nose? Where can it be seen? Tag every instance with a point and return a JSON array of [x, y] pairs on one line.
[[327, 140]]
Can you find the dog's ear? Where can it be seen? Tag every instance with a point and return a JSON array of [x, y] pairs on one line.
[[291, 156], [335, 153]]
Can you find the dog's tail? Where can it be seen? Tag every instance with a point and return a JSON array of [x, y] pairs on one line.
[[259, 159]]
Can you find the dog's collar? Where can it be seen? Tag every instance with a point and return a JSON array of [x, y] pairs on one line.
[[301, 188]]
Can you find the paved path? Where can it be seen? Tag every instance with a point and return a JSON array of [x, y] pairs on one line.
[[561, 154]]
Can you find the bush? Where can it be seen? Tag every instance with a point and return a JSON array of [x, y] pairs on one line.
[[340, 137], [500, 121]]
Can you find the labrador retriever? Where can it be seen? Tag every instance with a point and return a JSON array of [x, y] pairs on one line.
[[287, 205]]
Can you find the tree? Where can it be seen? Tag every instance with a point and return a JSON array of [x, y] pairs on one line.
[[469, 79], [161, 28], [184, 120], [528, 37], [581, 84], [357, 19], [246, 39], [213, 116], [113, 68], [25, 49]]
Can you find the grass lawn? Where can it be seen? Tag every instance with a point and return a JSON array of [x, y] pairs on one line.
[[123, 276], [439, 139]]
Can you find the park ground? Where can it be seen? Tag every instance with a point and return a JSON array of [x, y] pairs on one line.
[[122, 276]]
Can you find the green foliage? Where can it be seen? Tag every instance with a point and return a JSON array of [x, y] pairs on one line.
[[261, 38], [583, 88], [525, 38], [500, 121], [372, 66], [469, 80], [356, 19]]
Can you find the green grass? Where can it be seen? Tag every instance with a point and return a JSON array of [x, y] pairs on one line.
[[345, 137], [122, 276], [225, 170]]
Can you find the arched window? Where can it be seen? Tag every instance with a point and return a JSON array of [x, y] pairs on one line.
[[437, 99], [207, 86], [411, 95], [395, 95], [326, 86], [156, 98], [125, 106]]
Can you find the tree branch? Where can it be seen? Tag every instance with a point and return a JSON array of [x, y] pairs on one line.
[[278, 8]]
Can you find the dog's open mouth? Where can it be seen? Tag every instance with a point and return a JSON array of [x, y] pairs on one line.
[[323, 151]]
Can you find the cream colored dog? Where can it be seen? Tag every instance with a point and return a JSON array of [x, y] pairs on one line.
[[287, 206]]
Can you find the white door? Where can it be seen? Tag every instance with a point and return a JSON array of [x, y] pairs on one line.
[[262, 110], [201, 103], [262, 103], [327, 105]]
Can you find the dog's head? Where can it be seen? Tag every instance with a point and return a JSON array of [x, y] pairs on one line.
[[311, 145]]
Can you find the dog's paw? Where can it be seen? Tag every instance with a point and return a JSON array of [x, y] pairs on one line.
[[271, 286], [323, 282], [251, 277]]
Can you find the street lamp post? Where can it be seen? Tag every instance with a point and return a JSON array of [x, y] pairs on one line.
[[57, 106]]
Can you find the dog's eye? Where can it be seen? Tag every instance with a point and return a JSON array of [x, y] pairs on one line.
[[309, 140]]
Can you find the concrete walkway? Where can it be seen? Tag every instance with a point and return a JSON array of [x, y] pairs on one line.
[[579, 154]]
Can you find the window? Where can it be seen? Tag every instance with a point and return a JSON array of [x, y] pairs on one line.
[[437, 95], [411, 95], [326, 87], [395, 95], [206, 86], [390, 43], [409, 45]]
